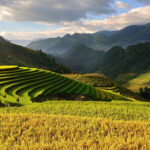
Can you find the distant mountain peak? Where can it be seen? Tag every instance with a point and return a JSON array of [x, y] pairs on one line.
[[67, 36], [102, 40]]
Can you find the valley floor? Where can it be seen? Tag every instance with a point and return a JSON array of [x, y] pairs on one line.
[[71, 125]]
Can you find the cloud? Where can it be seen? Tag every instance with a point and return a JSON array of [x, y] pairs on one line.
[[144, 1], [71, 28], [52, 11], [122, 5], [135, 16]]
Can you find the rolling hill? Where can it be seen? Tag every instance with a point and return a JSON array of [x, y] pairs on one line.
[[26, 85], [104, 83], [81, 58], [134, 81], [11, 54], [103, 40], [133, 59]]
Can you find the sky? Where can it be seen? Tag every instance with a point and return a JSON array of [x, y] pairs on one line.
[[33, 19]]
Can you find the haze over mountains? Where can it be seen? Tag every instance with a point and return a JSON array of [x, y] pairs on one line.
[[103, 40], [81, 58], [108, 52], [21, 42], [12, 54], [80, 52]]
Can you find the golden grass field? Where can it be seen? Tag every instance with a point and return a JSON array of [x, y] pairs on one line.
[[120, 124], [74, 125], [60, 132]]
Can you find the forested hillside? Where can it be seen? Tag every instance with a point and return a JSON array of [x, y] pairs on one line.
[[11, 54], [133, 59], [81, 58]]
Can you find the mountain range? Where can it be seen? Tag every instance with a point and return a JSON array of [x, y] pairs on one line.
[[102, 40], [76, 52]]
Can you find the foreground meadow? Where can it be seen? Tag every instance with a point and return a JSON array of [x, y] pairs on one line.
[[30, 131], [71, 125]]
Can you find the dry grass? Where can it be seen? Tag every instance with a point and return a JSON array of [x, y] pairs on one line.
[[50, 132], [98, 80]]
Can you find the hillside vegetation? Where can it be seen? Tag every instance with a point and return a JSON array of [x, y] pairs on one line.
[[11, 54], [102, 82], [97, 80], [26, 85], [135, 81], [133, 59], [81, 58]]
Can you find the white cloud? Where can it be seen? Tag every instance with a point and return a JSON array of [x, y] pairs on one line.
[[122, 5], [135, 16], [45, 34], [52, 11]]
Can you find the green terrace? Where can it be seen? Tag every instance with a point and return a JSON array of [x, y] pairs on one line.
[[22, 86]]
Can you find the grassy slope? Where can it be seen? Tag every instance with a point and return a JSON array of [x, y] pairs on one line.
[[98, 80], [92, 125], [31, 85], [50, 81], [135, 82], [103, 83]]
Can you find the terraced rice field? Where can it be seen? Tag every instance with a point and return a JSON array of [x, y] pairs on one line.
[[25, 85], [67, 124], [97, 80]]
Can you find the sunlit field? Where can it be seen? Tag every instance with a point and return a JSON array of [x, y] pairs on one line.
[[44, 132], [30, 119], [115, 110], [76, 125]]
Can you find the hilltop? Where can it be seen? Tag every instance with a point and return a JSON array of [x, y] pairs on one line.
[[12, 54]]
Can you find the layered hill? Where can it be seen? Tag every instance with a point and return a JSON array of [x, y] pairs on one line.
[[26, 85], [103, 40], [134, 81], [102, 82], [133, 59], [81, 58], [11, 54]]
